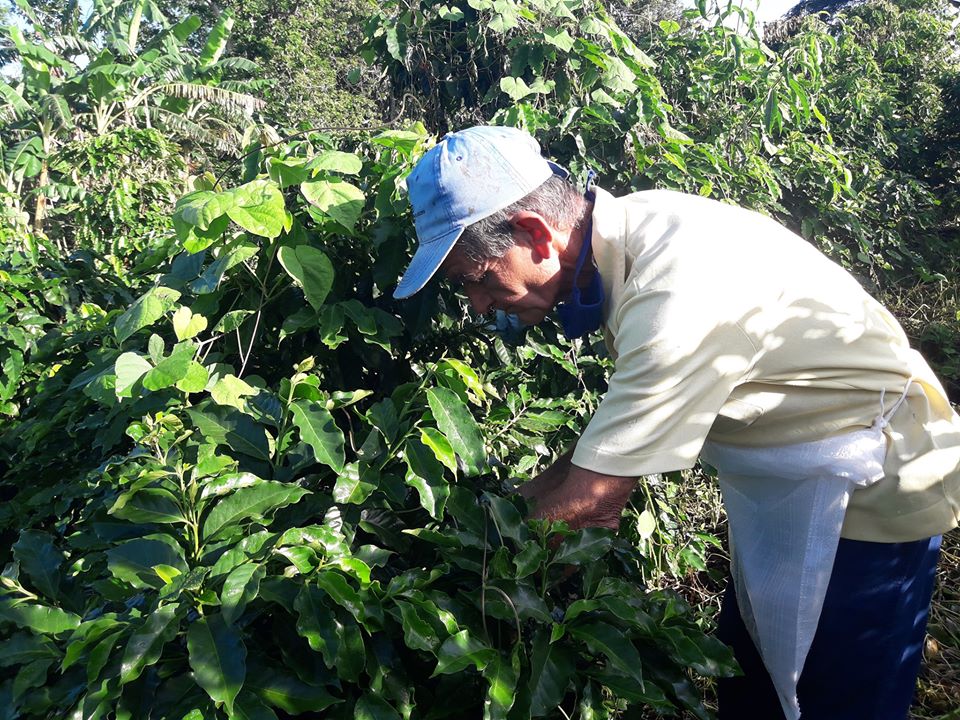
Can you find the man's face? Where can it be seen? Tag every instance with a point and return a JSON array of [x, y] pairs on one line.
[[522, 282]]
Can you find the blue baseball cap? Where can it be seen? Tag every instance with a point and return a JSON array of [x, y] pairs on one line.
[[467, 176]]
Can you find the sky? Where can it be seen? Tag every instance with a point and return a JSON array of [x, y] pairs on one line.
[[771, 9]]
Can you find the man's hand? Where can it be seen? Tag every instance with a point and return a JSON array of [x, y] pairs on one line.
[[579, 497]]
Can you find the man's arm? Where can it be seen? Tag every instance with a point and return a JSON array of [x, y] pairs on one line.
[[580, 497]]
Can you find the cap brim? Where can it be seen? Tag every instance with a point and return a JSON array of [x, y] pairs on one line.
[[425, 263]]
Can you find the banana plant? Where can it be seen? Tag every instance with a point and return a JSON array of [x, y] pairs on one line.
[[131, 79]]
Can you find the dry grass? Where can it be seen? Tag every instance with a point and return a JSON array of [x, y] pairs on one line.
[[938, 692], [929, 315]]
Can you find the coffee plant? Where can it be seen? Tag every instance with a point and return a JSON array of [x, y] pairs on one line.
[[270, 491]]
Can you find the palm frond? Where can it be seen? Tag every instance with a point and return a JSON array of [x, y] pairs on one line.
[[55, 107], [16, 106], [216, 40], [238, 63], [190, 130], [227, 99]]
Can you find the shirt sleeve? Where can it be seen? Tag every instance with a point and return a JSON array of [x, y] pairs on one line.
[[678, 357]]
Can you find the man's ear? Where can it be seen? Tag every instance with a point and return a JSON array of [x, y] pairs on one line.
[[536, 232]]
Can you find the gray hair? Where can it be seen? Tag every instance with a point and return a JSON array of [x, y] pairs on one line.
[[560, 203]]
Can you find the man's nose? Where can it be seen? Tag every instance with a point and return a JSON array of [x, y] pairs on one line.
[[480, 299]]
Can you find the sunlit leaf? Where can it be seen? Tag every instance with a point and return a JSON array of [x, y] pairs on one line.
[[146, 644], [311, 269], [459, 427], [336, 199], [320, 432], [250, 503]]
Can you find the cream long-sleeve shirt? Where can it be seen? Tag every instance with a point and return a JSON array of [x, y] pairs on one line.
[[723, 324]]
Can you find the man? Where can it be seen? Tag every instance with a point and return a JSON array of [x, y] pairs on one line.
[[838, 453]]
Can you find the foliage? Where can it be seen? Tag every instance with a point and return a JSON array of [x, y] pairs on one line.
[[82, 81], [284, 502], [815, 134], [241, 481], [126, 183], [307, 52]]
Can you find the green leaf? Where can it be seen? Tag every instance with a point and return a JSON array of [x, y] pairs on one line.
[[336, 161], [40, 560], [460, 651], [311, 269], [341, 592], [200, 209], [373, 707], [247, 706], [250, 503], [14, 99], [195, 380], [584, 547], [133, 561], [355, 484], [351, 654], [320, 432], [289, 694], [231, 321], [226, 484], [442, 450], [172, 369], [167, 573], [524, 601], [145, 311], [216, 40], [559, 38], [551, 668], [507, 519], [671, 133], [31, 675], [228, 426], [21, 648], [603, 638], [240, 587], [230, 391], [146, 644], [258, 208], [210, 280], [459, 427], [669, 27], [466, 374], [646, 524], [449, 14], [218, 658], [187, 325], [335, 198], [529, 560], [418, 633], [619, 78], [39, 618], [515, 88], [287, 171], [316, 623], [501, 693], [147, 505], [425, 475]]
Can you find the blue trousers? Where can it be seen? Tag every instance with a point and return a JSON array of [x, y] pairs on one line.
[[866, 653]]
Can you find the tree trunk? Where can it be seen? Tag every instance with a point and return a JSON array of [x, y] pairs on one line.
[[40, 211]]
